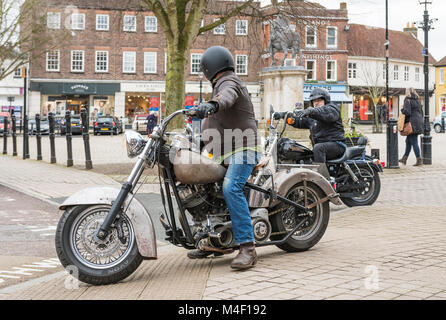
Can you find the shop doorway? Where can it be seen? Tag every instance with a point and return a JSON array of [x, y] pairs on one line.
[[76, 102]]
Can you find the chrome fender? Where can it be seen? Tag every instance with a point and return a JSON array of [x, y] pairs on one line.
[[285, 179], [136, 212]]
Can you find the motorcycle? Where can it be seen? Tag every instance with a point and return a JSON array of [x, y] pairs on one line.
[[106, 233], [355, 175]]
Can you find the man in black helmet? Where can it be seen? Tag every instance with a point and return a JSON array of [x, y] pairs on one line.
[[324, 120], [229, 132]]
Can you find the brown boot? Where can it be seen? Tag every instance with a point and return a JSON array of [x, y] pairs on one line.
[[419, 162], [403, 160], [246, 258]]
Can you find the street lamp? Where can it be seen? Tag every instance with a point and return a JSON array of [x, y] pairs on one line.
[[426, 139], [200, 75]]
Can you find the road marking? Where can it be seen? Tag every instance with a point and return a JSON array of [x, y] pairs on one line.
[[29, 269]]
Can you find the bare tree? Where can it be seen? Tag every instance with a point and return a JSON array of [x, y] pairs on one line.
[[23, 33]]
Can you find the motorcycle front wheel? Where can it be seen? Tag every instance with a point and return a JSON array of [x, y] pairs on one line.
[[97, 262], [286, 218]]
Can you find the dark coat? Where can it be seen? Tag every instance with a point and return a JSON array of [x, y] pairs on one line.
[[414, 113], [325, 124]]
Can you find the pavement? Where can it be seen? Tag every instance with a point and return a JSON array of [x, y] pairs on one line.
[[395, 249]]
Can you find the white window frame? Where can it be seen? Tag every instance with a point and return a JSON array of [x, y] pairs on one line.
[[53, 61], [100, 25], [193, 57], [79, 62], [441, 76], [97, 61], [245, 56], [150, 56], [335, 70], [18, 73], [335, 45], [126, 55], [352, 70], [148, 25], [314, 70], [417, 74], [52, 24], [221, 29], [406, 73], [239, 30], [396, 73], [76, 22], [127, 27], [315, 36]]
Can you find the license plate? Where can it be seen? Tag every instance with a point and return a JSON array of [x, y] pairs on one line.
[[73, 124], [104, 129]]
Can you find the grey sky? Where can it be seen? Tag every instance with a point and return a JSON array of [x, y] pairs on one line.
[[372, 12]]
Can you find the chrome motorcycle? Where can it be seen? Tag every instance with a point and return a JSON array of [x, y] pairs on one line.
[[106, 232]]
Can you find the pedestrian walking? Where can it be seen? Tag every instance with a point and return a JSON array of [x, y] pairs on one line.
[[414, 114], [152, 120]]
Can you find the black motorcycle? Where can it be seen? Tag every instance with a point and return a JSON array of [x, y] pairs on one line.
[[355, 175]]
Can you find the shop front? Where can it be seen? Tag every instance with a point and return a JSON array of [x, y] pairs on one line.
[[337, 94]]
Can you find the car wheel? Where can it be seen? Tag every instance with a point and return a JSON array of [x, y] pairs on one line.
[[437, 128]]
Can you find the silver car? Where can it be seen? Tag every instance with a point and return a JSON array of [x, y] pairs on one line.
[[437, 122]]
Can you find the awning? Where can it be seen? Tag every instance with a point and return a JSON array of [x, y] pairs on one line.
[[339, 97]]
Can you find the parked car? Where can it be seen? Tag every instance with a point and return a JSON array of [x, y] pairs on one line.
[[107, 124], [437, 122], [76, 125], [2, 119], [44, 126], [140, 123]]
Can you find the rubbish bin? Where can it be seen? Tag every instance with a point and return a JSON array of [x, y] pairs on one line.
[[392, 144]]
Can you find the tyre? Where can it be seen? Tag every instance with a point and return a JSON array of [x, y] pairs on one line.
[[97, 263], [437, 128], [285, 220], [370, 191]]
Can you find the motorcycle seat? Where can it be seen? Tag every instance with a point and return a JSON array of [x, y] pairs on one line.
[[349, 153]]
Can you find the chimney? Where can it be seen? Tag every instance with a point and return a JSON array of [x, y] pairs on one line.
[[412, 29], [343, 6]]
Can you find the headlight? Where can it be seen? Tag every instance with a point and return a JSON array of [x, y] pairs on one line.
[[134, 142]]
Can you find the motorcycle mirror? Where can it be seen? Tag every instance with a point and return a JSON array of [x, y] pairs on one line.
[[271, 109]]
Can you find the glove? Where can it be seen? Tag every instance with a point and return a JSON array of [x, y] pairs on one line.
[[279, 115], [206, 109], [304, 113]]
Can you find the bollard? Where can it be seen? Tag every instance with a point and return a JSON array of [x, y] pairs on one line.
[[442, 125], [5, 135], [25, 137], [38, 137], [86, 137], [392, 144], [14, 136], [52, 137], [69, 138]]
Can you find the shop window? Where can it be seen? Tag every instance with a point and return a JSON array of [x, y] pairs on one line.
[[102, 22], [241, 66], [101, 61], [150, 62], [77, 61], [311, 67], [151, 24], [311, 36], [53, 20], [332, 37], [406, 73], [417, 74], [396, 73], [241, 27], [78, 21], [129, 23], [129, 62], [195, 63], [52, 60], [352, 70], [221, 29], [331, 70], [443, 104]]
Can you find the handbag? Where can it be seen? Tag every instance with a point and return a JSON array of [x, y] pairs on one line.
[[401, 119], [407, 130]]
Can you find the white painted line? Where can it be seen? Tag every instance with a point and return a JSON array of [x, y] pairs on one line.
[[33, 282]]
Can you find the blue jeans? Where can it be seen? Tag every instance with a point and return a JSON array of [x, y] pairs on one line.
[[412, 141], [240, 167]]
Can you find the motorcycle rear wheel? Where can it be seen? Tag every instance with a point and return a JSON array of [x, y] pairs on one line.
[[369, 194], [310, 234], [107, 262]]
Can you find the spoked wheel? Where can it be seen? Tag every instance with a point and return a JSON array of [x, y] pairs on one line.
[[370, 187], [98, 262], [287, 217]]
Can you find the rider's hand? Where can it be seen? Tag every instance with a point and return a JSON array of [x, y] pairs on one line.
[[279, 115], [206, 109]]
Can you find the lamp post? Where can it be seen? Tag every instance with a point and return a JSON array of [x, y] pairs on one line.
[[426, 139], [200, 75]]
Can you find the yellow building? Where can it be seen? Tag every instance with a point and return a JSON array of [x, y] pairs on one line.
[[440, 85]]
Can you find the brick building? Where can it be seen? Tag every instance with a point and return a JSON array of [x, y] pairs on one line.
[[115, 61]]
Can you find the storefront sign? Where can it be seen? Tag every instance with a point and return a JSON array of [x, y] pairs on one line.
[[66, 88], [79, 88], [143, 87], [329, 87], [317, 56]]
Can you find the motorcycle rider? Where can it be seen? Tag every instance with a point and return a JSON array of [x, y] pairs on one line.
[[229, 111], [324, 120]]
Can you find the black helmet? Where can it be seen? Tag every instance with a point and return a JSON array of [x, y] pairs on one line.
[[214, 60], [320, 93]]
